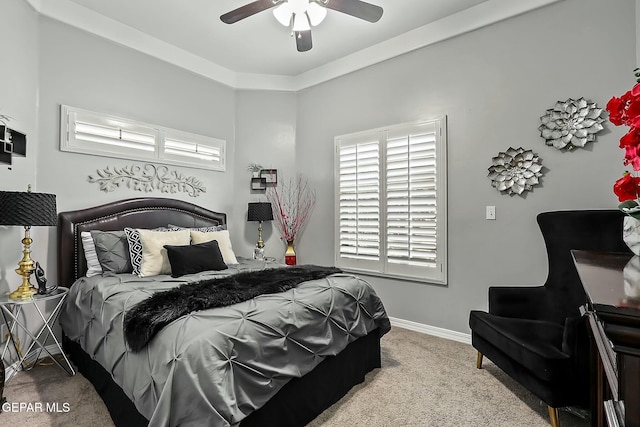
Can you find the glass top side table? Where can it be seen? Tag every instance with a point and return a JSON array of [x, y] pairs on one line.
[[11, 309]]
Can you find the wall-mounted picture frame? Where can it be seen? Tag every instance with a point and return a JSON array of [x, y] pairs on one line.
[[5, 152], [258, 184], [18, 140], [12, 143], [270, 176]]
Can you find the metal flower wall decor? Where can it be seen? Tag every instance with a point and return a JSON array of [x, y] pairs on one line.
[[515, 171], [571, 124], [147, 178]]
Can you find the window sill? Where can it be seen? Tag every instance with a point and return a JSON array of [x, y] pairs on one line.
[[425, 281]]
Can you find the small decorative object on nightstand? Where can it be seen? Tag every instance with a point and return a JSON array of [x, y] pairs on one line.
[[27, 210], [42, 281], [259, 211], [293, 202]]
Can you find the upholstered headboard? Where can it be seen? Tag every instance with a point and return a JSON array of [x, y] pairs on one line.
[[146, 212]]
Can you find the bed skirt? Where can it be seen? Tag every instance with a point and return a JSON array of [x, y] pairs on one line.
[[296, 404]]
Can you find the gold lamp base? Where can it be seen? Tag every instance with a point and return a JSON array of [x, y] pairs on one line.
[[23, 293], [25, 268]]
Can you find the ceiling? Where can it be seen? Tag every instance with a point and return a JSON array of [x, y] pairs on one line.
[[259, 44], [260, 52]]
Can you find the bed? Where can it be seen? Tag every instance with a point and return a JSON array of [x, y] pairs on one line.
[[295, 394]]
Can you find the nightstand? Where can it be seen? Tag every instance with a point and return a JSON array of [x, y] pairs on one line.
[[11, 310]]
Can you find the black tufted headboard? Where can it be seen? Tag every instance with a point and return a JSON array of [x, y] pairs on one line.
[[145, 212]]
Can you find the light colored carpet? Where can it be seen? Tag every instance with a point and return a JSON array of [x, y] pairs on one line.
[[424, 381]]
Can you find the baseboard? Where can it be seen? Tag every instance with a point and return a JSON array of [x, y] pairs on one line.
[[431, 330], [14, 368]]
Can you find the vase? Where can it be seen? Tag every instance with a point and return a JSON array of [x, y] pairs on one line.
[[290, 254], [631, 276], [631, 233]]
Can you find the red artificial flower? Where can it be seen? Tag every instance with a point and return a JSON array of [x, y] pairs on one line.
[[626, 109], [631, 138], [633, 113], [616, 108], [632, 156], [627, 187]]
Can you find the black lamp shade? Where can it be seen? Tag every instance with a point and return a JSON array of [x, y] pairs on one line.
[[27, 209], [260, 211]]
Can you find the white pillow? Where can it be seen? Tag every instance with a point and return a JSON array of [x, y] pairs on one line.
[[90, 254], [154, 256], [224, 242]]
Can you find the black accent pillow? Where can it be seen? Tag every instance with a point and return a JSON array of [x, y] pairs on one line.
[[189, 259]]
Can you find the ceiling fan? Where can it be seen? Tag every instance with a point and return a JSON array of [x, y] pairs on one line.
[[300, 15]]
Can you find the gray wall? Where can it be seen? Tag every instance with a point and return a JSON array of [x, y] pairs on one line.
[[19, 89], [85, 71], [265, 134], [493, 84]]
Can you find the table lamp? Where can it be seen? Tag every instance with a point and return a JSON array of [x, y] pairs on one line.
[[27, 209], [259, 211]]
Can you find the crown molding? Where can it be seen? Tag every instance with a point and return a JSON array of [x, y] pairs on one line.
[[77, 16], [484, 14]]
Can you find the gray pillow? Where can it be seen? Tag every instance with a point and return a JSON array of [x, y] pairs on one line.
[[112, 250], [93, 265]]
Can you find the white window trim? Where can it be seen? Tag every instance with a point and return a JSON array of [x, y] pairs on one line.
[[68, 143], [381, 268]]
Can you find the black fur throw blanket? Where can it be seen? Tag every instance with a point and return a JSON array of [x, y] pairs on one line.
[[148, 317]]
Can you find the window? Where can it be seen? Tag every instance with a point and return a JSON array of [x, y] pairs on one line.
[[88, 132], [391, 201]]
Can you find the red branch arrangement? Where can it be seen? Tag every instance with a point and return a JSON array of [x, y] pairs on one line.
[[292, 205]]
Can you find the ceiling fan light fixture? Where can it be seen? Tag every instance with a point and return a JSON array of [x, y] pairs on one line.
[[316, 13], [298, 6], [283, 13], [301, 22]]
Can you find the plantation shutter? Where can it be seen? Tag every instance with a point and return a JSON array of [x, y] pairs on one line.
[[391, 201], [411, 196], [88, 132], [359, 200], [111, 136], [192, 148]]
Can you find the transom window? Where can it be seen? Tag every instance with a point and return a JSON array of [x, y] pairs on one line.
[[391, 201], [88, 132]]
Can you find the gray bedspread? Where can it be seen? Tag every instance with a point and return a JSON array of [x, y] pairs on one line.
[[216, 366]]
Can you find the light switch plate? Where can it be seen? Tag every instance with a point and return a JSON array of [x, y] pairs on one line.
[[491, 212]]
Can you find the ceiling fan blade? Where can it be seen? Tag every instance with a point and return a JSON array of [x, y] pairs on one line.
[[247, 10], [303, 40], [359, 9]]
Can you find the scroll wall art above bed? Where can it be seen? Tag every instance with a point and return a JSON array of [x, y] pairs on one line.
[[147, 178]]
